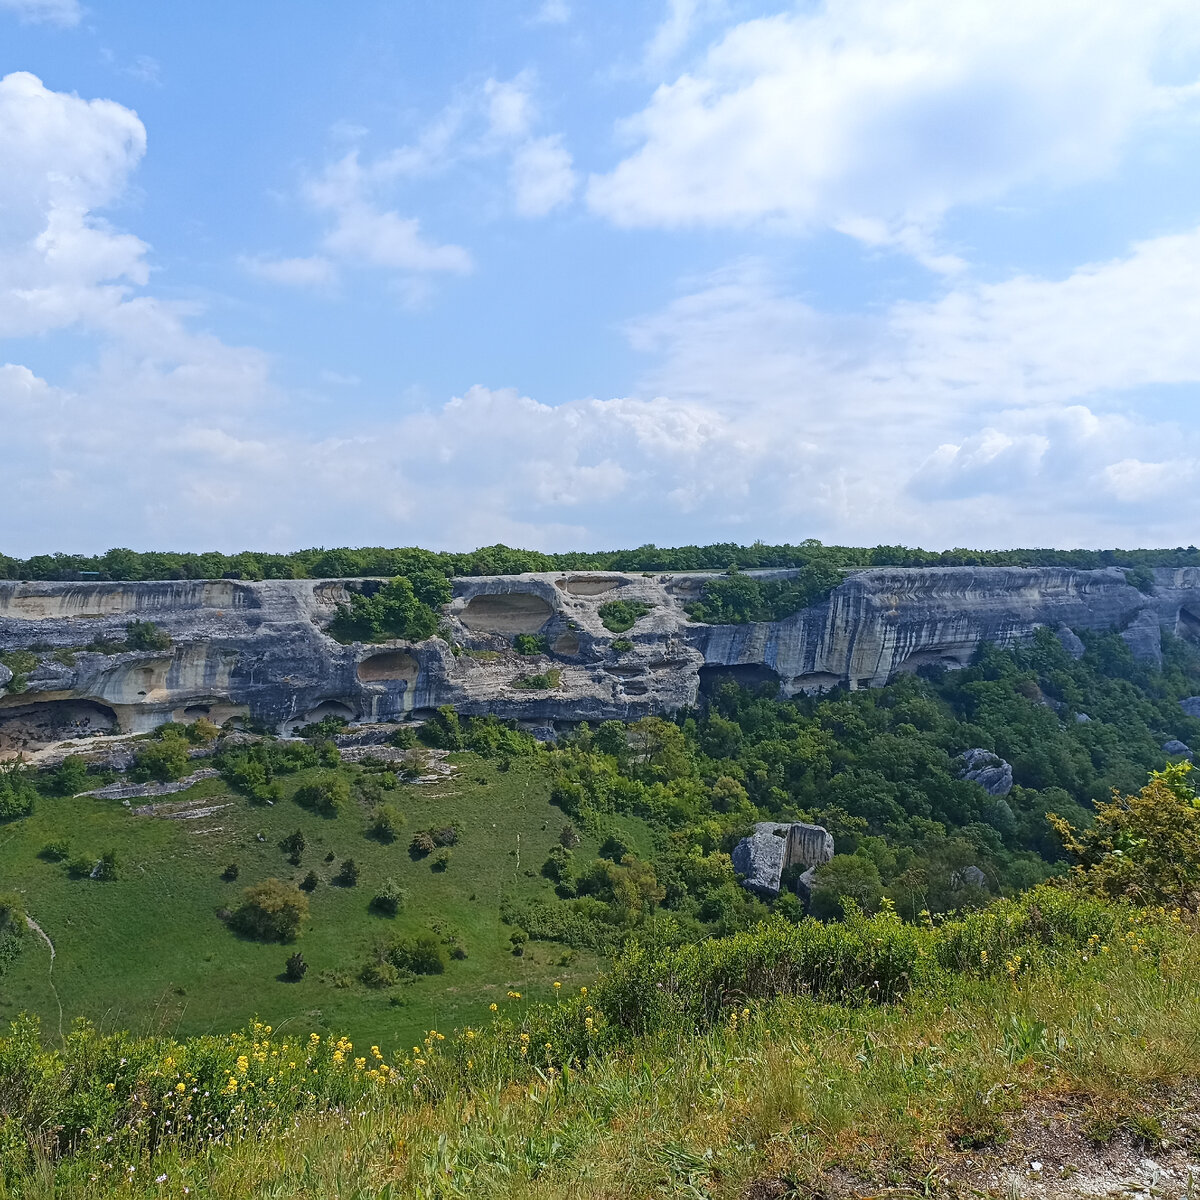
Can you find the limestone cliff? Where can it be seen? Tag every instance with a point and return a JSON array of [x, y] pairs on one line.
[[259, 650]]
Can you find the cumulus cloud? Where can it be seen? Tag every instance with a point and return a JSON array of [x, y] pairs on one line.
[[65, 13], [64, 158], [542, 176], [314, 271], [876, 117]]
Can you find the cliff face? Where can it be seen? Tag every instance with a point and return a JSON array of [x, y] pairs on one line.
[[259, 650]]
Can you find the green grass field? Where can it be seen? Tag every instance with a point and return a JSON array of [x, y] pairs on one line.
[[148, 952]]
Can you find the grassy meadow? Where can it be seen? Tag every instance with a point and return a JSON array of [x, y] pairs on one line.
[[147, 952]]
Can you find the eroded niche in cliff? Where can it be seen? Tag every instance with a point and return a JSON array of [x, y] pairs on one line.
[[750, 675], [392, 666], [27, 727], [327, 708], [566, 644], [1189, 624], [816, 681], [953, 658], [506, 612], [591, 585]]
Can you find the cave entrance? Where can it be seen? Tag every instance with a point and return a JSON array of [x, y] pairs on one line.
[[27, 727], [754, 677], [506, 612]]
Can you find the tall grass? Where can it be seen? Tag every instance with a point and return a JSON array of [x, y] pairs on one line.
[[730, 1082]]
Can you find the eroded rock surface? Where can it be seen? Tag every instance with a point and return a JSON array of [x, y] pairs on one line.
[[258, 651], [988, 770], [762, 858]]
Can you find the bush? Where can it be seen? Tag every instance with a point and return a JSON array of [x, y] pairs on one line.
[[348, 875], [546, 681], [422, 844], [619, 615], [422, 954], [12, 914], [81, 867], [446, 835], [389, 900], [441, 861], [328, 795], [17, 791], [295, 968], [530, 643], [846, 877], [403, 608], [620, 645], [160, 761], [309, 882], [231, 873], [558, 864], [69, 778], [145, 635], [293, 846], [379, 975], [271, 911], [386, 822], [56, 851]]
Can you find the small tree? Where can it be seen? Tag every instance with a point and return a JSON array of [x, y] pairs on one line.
[[70, 777], [160, 761], [1144, 847], [17, 793], [348, 875], [386, 822], [271, 911], [295, 968], [231, 872], [293, 846], [145, 635], [422, 844], [12, 914], [845, 877], [569, 838], [329, 794], [389, 900], [309, 882], [441, 861]]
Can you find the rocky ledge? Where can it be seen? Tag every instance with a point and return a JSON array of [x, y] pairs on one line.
[[259, 651]]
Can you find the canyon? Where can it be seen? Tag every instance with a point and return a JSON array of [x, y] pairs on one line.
[[258, 652]]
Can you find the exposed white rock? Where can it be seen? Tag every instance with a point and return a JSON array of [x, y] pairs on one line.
[[988, 770], [773, 847]]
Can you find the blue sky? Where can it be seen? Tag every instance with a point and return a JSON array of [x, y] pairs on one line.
[[579, 275]]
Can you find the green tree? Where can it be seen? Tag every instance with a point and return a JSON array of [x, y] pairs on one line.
[[271, 911], [845, 877]]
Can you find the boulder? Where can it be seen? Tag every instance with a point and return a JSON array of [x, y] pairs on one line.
[[1191, 706], [1070, 641], [1082, 718], [968, 877], [988, 770], [1143, 635], [1177, 749], [773, 847]]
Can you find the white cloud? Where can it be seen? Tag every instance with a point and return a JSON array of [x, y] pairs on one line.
[[677, 28], [552, 12], [877, 116], [314, 271], [66, 13], [542, 176], [63, 159]]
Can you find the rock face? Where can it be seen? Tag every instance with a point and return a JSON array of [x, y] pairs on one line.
[[259, 650], [988, 770], [1191, 706], [1177, 749], [772, 848]]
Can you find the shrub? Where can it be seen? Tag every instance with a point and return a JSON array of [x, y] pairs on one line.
[[17, 792], [295, 968], [160, 761], [271, 911], [403, 608], [558, 864], [569, 837], [56, 851], [293, 846], [530, 643], [69, 778], [846, 877], [348, 875], [619, 615], [145, 635], [446, 835], [1144, 847], [422, 844], [620, 645], [422, 954], [386, 822], [81, 867], [231, 872], [441, 860], [327, 795], [309, 882], [12, 914], [546, 681], [379, 975], [389, 900]]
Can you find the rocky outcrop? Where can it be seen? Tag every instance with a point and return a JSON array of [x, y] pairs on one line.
[[1191, 706], [1174, 748], [762, 858], [259, 651], [988, 770]]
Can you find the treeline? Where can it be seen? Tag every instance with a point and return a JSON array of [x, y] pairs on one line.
[[375, 561]]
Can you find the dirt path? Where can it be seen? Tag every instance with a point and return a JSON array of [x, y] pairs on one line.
[[50, 974]]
